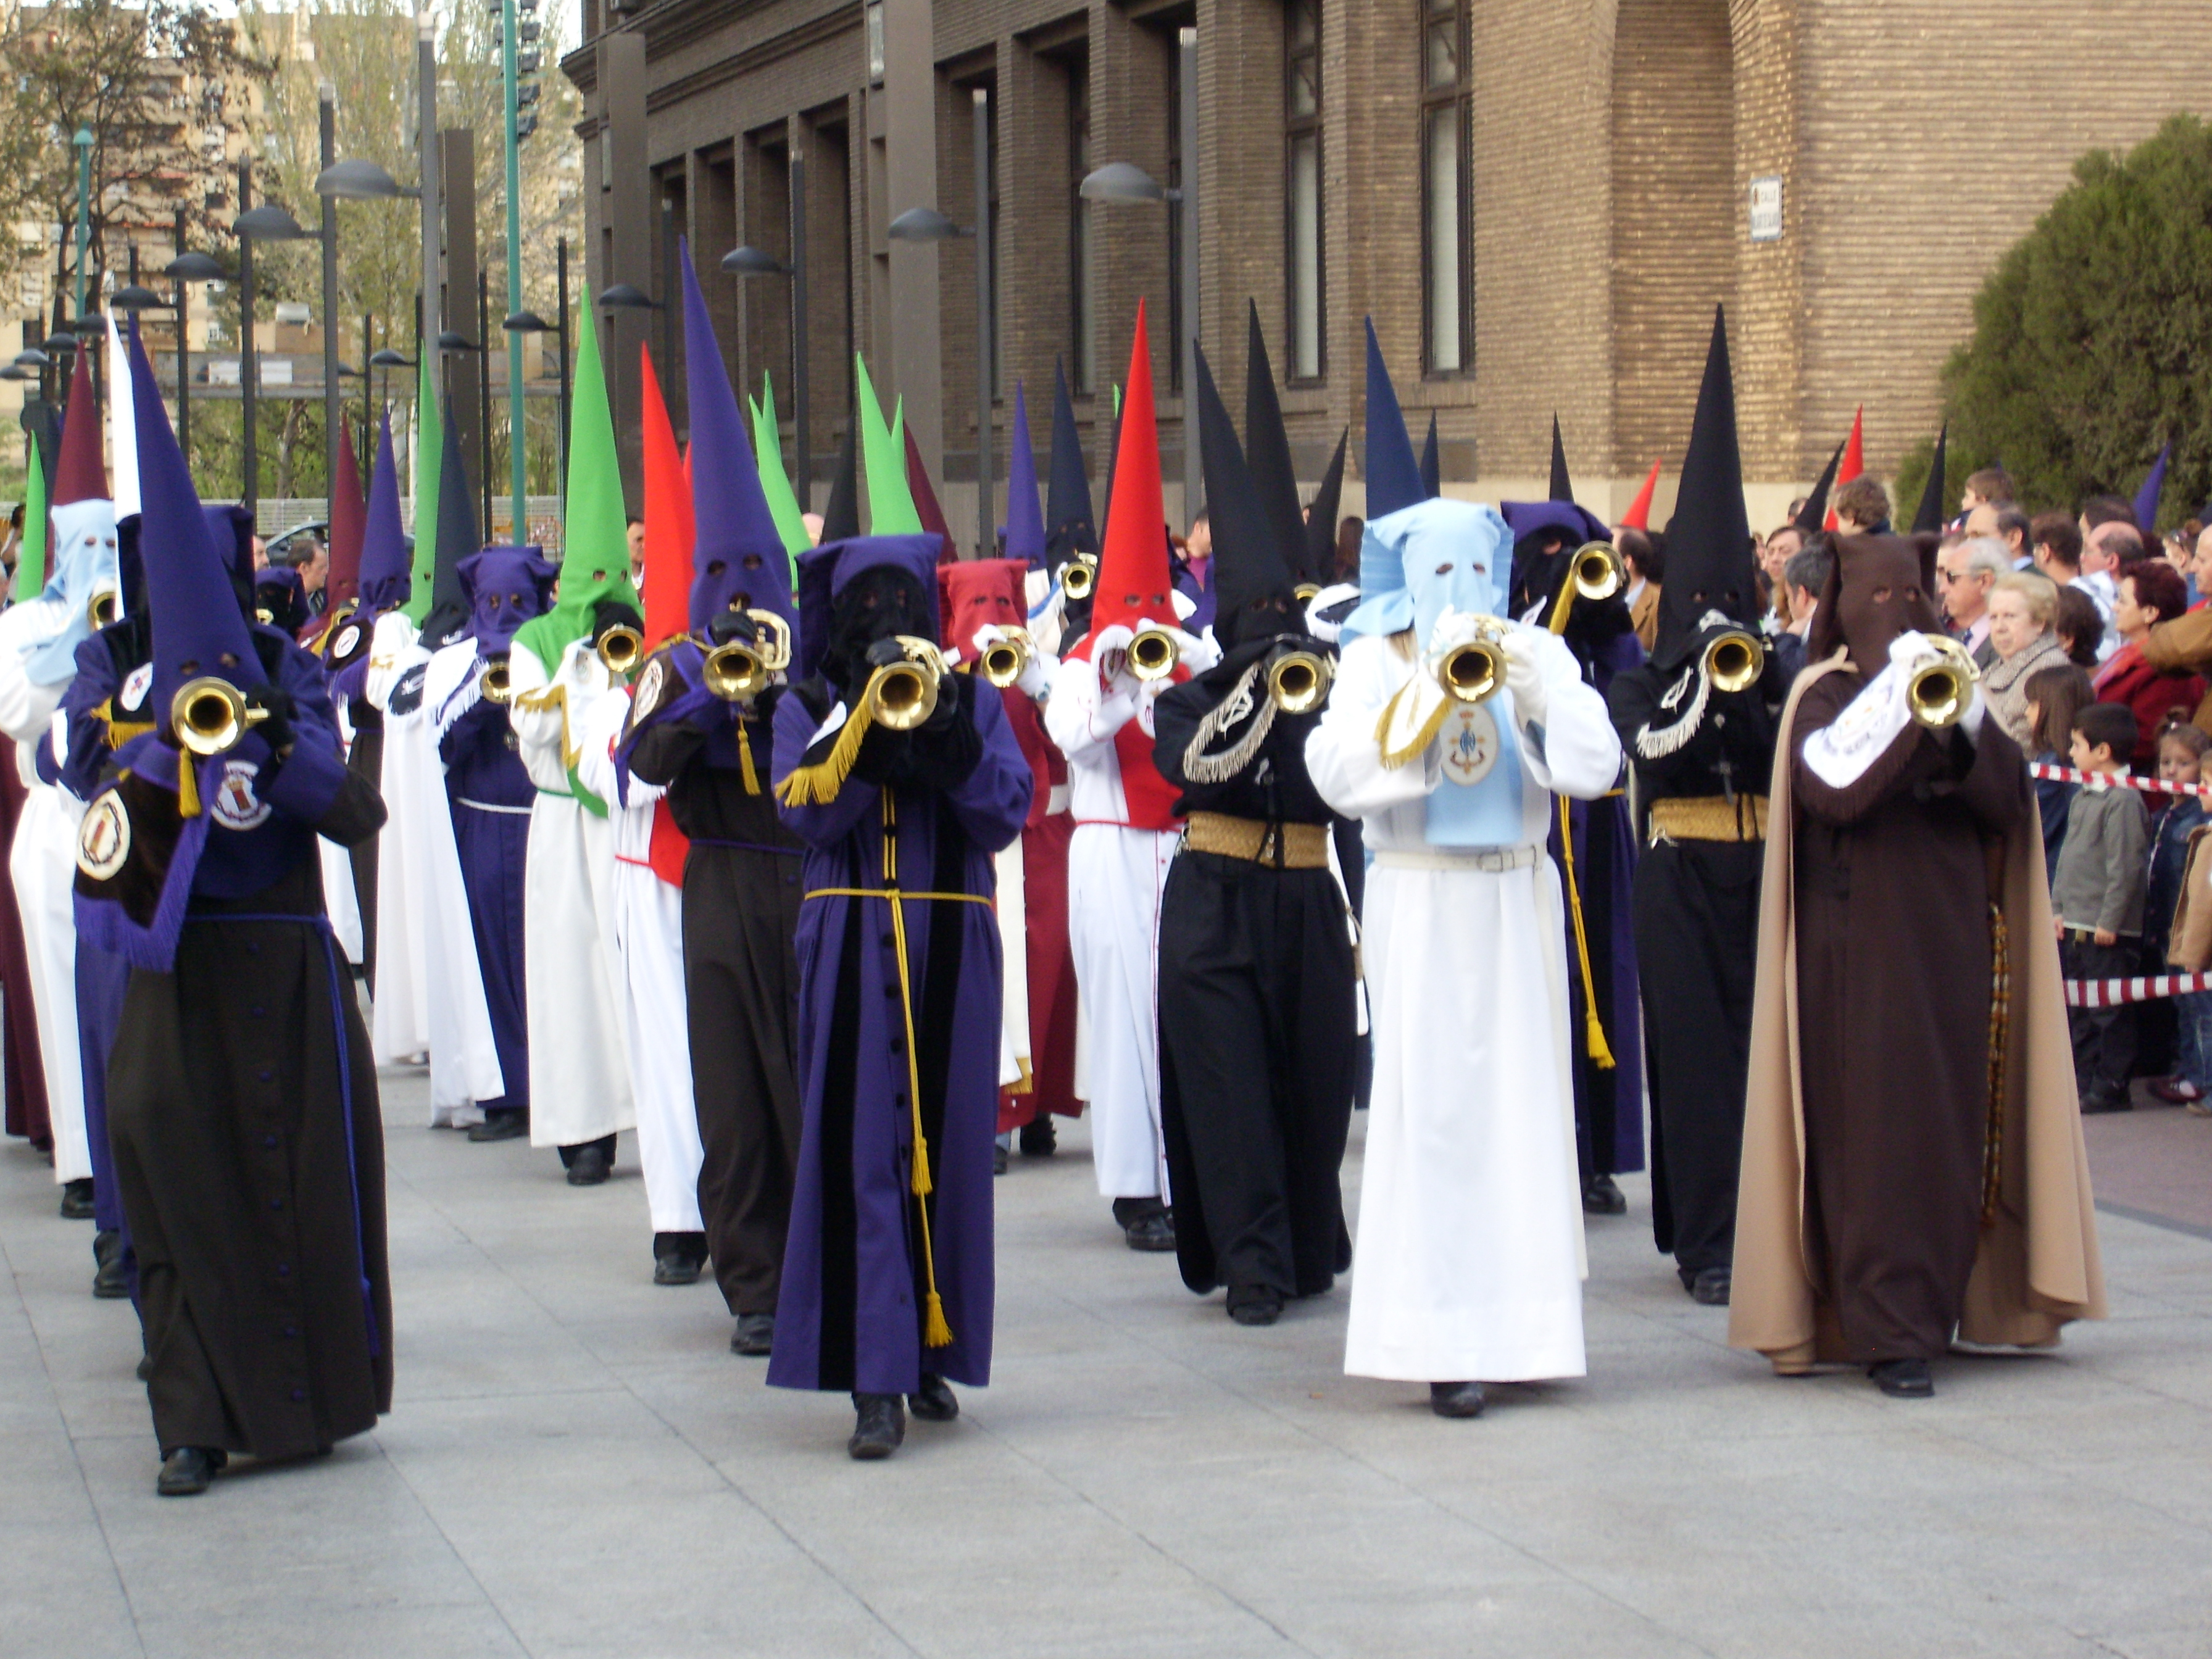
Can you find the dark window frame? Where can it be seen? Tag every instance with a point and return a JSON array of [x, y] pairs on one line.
[[1298, 129], [1458, 97]]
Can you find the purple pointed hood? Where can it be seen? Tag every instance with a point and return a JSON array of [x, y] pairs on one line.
[[198, 626], [385, 581], [737, 556], [824, 571], [505, 588]]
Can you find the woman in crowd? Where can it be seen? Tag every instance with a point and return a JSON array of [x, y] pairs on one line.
[[2021, 606], [2151, 591]]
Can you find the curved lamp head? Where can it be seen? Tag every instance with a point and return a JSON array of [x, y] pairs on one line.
[[359, 181], [923, 224], [388, 358], [526, 322], [32, 357], [135, 298], [750, 261], [624, 296], [450, 341], [193, 267], [268, 223], [1122, 181]]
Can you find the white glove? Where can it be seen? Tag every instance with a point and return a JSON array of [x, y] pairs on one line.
[[1454, 628], [1524, 648], [1909, 651], [1109, 655], [1035, 681], [1200, 652], [1970, 721]]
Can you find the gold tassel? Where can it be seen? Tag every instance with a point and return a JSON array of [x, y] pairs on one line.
[[188, 788], [1600, 1052], [1421, 739], [745, 759], [935, 1332], [817, 785]]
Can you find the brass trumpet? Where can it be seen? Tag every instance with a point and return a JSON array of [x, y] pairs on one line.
[[1306, 592], [905, 692], [1474, 671], [738, 670], [1079, 577], [1598, 572], [492, 685], [1153, 654], [1298, 681], [105, 608], [210, 716], [1939, 692], [620, 648], [1734, 661], [1005, 659]]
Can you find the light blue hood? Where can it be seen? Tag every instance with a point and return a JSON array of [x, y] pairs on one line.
[[82, 562], [1400, 559]]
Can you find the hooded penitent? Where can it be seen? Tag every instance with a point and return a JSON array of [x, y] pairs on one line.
[[81, 559], [1069, 528], [1272, 478], [924, 497], [1432, 469], [1321, 518], [1638, 516], [384, 577], [776, 483], [739, 560], [1814, 515], [505, 588], [1025, 538], [1881, 586], [841, 513], [891, 510], [666, 577], [456, 539], [1133, 586], [1930, 514], [349, 525], [976, 593], [122, 426], [1251, 580], [1854, 461], [594, 532], [1394, 476], [1709, 568]]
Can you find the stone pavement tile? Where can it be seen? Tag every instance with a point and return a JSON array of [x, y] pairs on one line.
[[304, 1628], [58, 1586]]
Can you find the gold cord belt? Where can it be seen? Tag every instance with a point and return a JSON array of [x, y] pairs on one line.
[[1709, 817], [1285, 846]]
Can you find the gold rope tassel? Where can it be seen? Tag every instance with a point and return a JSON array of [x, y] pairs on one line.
[[188, 786], [745, 759], [1600, 1053], [817, 785], [2000, 1040]]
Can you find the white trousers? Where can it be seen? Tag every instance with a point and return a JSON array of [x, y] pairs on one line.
[[649, 938], [43, 864], [579, 1058], [1114, 879]]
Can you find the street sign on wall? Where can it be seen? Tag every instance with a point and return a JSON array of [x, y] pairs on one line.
[[1766, 208]]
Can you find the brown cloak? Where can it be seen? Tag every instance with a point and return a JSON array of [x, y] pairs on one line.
[[2038, 1265]]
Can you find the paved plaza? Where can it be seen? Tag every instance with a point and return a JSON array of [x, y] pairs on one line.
[[575, 1465]]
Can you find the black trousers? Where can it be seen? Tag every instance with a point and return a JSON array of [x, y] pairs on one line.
[[2104, 1038], [1697, 946], [1258, 1063], [741, 982]]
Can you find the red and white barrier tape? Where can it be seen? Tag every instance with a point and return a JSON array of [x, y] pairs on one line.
[[2113, 993], [2120, 779]]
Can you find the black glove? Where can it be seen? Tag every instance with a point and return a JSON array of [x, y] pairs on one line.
[[726, 625], [277, 709], [885, 652], [614, 613]]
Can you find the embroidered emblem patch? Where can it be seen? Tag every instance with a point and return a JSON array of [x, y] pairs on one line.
[[347, 642], [103, 840], [235, 805], [407, 694], [1470, 739], [136, 684], [650, 685]]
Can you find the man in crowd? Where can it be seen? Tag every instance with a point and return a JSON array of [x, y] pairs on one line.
[[312, 562], [2063, 554], [2007, 523], [1964, 572]]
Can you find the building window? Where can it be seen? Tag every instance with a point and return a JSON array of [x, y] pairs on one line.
[[1082, 290], [1447, 197], [1302, 91], [1175, 213]]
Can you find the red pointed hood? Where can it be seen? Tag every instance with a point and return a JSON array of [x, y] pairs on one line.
[[668, 523], [1854, 462], [1134, 583], [1638, 516], [80, 475]]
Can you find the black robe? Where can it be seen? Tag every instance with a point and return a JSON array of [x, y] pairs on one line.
[[1257, 1021], [1696, 905], [741, 901]]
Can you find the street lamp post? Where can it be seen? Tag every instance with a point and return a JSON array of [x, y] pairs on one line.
[[749, 261], [1125, 182], [267, 223], [515, 424], [81, 142], [327, 109]]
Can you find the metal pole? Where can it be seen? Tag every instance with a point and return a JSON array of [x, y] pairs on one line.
[[669, 288], [1193, 477], [801, 410], [517, 428], [426, 146], [368, 410], [251, 494], [483, 402], [184, 356], [561, 379], [986, 518], [327, 116], [84, 142]]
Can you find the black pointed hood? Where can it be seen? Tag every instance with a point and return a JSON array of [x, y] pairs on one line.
[[1321, 518], [1394, 476], [1710, 565], [459, 536], [1069, 527], [1813, 517], [1930, 516], [841, 516], [1562, 487], [1247, 556], [1267, 457], [1432, 472]]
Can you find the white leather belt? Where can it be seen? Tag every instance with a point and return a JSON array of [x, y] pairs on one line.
[[1493, 859], [490, 806]]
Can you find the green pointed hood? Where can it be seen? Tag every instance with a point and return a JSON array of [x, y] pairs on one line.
[[30, 559], [776, 483], [891, 511], [429, 432], [594, 530]]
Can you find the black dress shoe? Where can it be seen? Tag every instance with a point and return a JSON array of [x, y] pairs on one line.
[[501, 1125], [880, 1427], [1455, 1399], [109, 1281], [1254, 1304], [2096, 1101], [76, 1199], [1903, 1379], [1711, 1286], [186, 1471], [1039, 1138], [679, 1257], [935, 1403], [1601, 1197], [754, 1336], [1152, 1232], [998, 1160], [590, 1167]]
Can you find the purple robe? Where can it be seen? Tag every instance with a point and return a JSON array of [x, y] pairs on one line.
[[849, 1315], [484, 773]]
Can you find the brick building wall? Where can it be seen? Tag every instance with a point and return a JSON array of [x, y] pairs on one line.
[[1611, 149]]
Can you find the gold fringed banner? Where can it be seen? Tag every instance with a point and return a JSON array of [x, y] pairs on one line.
[[817, 785]]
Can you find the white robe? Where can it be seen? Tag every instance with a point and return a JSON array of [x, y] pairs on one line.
[[341, 902], [578, 1056], [42, 862], [648, 936], [1470, 1257]]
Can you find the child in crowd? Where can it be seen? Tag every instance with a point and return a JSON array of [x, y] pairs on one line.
[[2054, 697], [2098, 898], [2180, 760]]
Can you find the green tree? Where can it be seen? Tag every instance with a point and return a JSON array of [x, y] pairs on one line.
[[2093, 340]]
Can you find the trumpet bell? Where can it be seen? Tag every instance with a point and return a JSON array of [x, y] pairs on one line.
[[492, 685], [1734, 661], [1006, 659], [735, 671], [1306, 592], [906, 692], [105, 608], [1153, 654], [1472, 672], [210, 716], [621, 649], [1599, 573], [1298, 682], [1078, 579], [1939, 692]]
